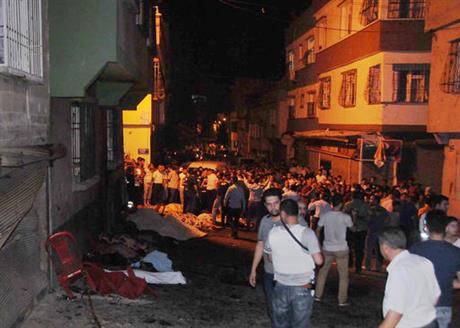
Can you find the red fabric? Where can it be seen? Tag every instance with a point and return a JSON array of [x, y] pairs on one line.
[[128, 286]]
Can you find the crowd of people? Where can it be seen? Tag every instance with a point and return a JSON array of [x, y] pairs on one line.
[[357, 225]]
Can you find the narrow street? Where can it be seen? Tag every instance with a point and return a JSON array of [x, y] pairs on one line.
[[216, 295]]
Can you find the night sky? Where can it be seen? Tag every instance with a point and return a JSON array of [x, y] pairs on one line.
[[229, 38], [212, 42]]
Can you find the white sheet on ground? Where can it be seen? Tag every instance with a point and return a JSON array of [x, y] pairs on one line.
[[167, 278], [169, 226]]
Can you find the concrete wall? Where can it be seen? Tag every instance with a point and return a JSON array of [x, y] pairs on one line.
[[443, 106], [24, 121], [451, 176], [71, 199], [137, 129]]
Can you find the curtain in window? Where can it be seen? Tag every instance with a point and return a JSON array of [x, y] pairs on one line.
[[411, 82], [372, 92], [406, 9], [324, 95], [348, 89], [369, 11]]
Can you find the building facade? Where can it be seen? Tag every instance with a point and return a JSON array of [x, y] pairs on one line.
[[62, 87], [442, 22], [359, 76], [258, 120]]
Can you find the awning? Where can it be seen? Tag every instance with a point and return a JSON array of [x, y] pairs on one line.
[[335, 135]]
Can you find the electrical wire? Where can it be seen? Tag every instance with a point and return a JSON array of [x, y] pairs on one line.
[[232, 5]]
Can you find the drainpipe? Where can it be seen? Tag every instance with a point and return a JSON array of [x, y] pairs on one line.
[[49, 217]]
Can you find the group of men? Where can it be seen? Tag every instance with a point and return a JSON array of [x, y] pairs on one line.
[[420, 282]]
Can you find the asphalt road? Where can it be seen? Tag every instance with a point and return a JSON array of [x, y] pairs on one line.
[[217, 295]]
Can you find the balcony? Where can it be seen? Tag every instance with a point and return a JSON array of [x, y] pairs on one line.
[[384, 35], [97, 46]]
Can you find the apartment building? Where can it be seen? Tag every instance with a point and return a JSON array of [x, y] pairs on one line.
[[258, 120], [442, 22], [359, 72]]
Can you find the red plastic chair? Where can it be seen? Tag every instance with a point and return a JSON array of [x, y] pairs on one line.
[[65, 255]]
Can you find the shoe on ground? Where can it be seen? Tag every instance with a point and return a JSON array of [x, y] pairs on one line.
[[317, 299], [345, 304]]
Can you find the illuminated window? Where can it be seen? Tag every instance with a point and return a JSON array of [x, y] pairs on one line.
[[324, 97], [451, 78], [291, 65], [301, 51], [21, 38], [372, 92], [347, 97], [83, 141], [310, 55], [346, 13], [291, 110], [311, 110], [369, 11], [411, 82], [406, 9], [322, 32]]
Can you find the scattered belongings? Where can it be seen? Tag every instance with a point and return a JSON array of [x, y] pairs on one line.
[[202, 221], [158, 260], [168, 278], [169, 226]]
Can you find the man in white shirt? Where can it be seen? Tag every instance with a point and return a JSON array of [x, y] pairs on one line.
[[320, 206], [411, 291], [173, 185], [212, 183], [293, 267], [335, 248], [452, 231]]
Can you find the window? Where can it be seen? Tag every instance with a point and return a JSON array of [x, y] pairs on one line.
[[372, 91], [324, 97], [411, 82], [21, 38], [301, 51], [291, 111], [347, 97], [346, 12], [451, 78], [83, 140], [369, 11], [322, 31], [302, 100], [291, 65], [406, 8], [311, 110], [113, 136], [310, 54]]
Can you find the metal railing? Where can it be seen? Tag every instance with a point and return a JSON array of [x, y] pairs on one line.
[[21, 46]]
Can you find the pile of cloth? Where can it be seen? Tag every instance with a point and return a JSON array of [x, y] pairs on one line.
[[167, 225], [202, 221]]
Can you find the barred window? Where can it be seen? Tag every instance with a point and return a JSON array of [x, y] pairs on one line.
[[114, 136], [346, 15], [83, 140], [311, 110], [411, 82], [322, 29], [347, 97], [372, 91], [451, 78], [21, 42], [291, 111], [406, 9], [291, 65], [324, 96], [369, 11], [310, 54]]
